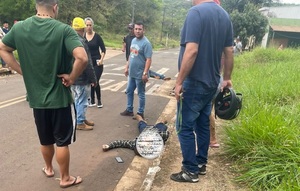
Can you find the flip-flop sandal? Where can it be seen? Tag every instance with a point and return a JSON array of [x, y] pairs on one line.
[[216, 145], [73, 183], [47, 175]]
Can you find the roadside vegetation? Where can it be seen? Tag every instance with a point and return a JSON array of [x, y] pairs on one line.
[[264, 140]]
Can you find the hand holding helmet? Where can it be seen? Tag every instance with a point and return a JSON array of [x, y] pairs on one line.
[[228, 104]]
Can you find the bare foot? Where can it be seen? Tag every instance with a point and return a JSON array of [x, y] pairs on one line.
[[71, 182]]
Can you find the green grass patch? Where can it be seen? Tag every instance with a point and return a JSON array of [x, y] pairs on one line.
[[284, 22], [264, 140]]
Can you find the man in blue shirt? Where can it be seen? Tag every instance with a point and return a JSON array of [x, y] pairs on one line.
[[137, 69], [207, 32]]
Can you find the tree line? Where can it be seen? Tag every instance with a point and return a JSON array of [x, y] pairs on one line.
[[161, 17]]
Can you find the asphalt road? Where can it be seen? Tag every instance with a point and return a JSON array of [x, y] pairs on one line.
[[21, 161]]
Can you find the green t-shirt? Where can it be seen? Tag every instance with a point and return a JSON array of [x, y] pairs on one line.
[[45, 50]]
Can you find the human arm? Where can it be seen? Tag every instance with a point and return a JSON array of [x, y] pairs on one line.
[[146, 70], [228, 67], [6, 53], [124, 45], [187, 63], [126, 68], [102, 49], [80, 62]]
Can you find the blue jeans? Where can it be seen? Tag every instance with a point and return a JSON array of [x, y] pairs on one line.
[[192, 124], [159, 126], [80, 93], [134, 83], [153, 74]]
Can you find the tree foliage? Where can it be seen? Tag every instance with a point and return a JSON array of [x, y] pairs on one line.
[[246, 18], [160, 17], [250, 22]]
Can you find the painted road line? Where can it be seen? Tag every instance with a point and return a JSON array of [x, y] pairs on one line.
[[12, 101]]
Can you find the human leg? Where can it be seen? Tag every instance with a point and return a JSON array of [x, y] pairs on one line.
[[156, 75], [141, 125], [56, 126], [93, 103], [44, 130], [98, 72], [64, 134], [202, 132], [188, 111], [81, 102], [212, 126], [48, 153], [130, 97], [141, 87], [63, 160]]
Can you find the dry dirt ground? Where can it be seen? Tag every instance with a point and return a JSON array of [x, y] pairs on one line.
[[219, 176], [154, 175]]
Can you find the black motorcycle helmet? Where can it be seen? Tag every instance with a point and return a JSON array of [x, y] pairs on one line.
[[228, 104]]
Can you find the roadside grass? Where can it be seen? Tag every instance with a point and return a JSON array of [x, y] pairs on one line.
[[263, 141]]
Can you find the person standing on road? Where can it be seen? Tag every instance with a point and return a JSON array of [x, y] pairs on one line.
[[46, 47], [127, 40], [84, 81], [126, 48], [207, 32], [98, 51], [137, 69]]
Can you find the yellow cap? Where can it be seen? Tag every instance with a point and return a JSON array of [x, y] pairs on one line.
[[78, 23]]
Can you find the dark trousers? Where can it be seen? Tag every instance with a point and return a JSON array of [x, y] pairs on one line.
[[97, 89]]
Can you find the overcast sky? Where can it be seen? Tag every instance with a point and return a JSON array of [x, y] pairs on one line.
[[291, 1]]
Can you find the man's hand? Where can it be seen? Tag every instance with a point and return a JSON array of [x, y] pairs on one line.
[[145, 78], [66, 80], [178, 92], [226, 83], [94, 84], [126, 69]]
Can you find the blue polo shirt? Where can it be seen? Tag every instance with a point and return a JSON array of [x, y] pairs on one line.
[[208, 25]]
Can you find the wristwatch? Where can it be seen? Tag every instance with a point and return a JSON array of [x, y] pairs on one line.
[[145, 73]]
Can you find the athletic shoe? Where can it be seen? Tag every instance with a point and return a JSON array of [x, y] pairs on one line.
[[185, 176], [202, 169], [89, 123], [83, 127], [126, 113], [99, 105], [92, 104]]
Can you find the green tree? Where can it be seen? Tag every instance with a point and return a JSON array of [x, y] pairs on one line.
[[11, 10], [250, 22]]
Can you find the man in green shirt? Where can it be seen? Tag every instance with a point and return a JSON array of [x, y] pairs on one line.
[[45, 47]]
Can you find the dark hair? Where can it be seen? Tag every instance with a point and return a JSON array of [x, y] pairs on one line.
[[140, 23], [5, 22], [46, 2]]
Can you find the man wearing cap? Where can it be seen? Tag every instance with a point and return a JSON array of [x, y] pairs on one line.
[[82, 84]]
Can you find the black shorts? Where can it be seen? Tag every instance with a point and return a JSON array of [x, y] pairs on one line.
[[55, 125]]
